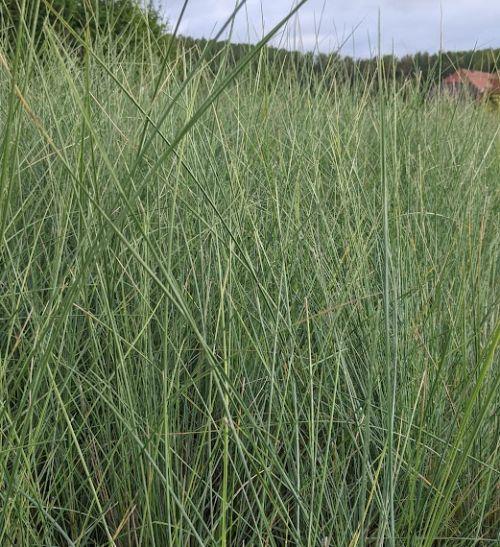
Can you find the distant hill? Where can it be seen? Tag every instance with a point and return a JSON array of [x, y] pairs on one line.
[[429, 68]]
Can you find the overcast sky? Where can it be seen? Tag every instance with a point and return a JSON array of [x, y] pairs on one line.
[[407, 25]]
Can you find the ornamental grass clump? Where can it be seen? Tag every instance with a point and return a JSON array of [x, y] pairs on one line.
[[237, 309]]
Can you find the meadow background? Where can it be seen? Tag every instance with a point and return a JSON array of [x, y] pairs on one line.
[[241, 305]]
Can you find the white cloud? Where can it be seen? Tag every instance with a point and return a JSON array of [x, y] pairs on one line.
[[407, 25]]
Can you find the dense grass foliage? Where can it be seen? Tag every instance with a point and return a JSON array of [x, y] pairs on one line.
[[274, 323]]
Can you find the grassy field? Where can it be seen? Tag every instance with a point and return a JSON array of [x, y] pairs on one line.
[[242, 310]]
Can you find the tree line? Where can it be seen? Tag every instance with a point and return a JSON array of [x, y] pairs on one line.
[[428, 68], [126, 19]]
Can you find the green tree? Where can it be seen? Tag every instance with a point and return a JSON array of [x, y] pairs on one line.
[[117, 17]]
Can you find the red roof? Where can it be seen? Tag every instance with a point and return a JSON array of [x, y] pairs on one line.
[[482, 81]]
